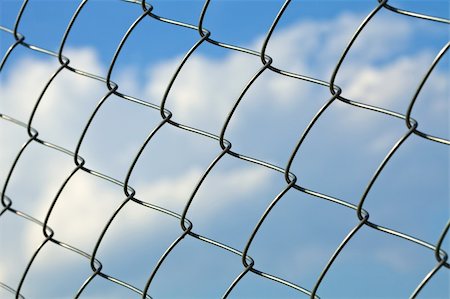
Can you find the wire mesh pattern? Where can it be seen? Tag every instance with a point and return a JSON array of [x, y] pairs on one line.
[[186, 226]]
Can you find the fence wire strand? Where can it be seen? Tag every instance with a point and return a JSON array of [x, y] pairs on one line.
[[186, 226]]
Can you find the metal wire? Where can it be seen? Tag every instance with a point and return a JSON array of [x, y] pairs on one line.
[[186, 226]]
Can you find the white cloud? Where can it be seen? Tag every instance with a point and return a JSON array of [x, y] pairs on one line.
[[206, 88], [373, 72], [17, 101], [315, 46], [388, 85], [234, 184], [14, 137], [82, 209], [87, 203], [67, 102]]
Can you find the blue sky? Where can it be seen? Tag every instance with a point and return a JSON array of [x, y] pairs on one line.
[[338, 158]]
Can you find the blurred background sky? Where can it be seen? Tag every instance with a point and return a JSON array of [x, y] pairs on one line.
[[338, 158]]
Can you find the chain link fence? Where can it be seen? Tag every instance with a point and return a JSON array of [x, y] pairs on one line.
[[186, 230]]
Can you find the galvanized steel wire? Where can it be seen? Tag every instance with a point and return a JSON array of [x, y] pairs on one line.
[[186, 226]]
